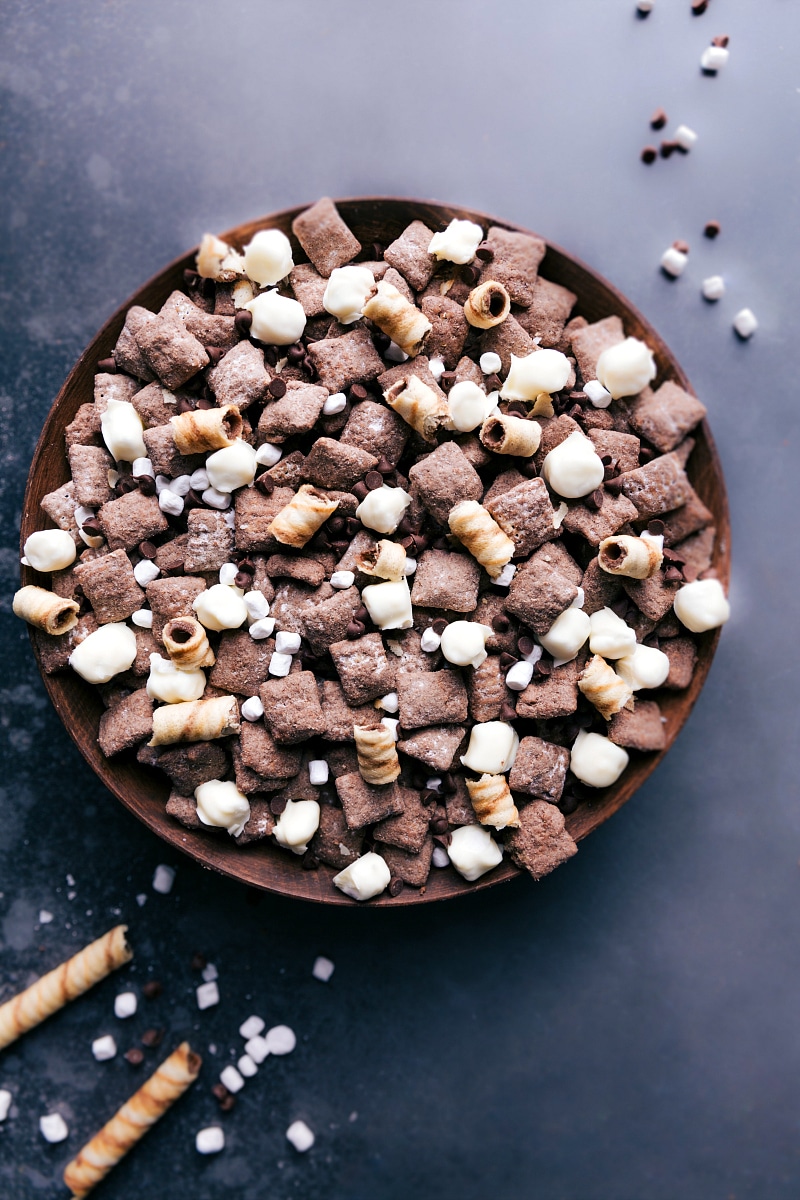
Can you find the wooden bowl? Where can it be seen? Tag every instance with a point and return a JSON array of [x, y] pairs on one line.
[[144, 792]]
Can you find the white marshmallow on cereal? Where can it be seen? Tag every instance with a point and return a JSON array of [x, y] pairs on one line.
[[490, 363], [318, 772], [541, 371], [473, 851], [220, 607], [145, 572], [267, 454], [105, 653], [166, 683], [122, 427], [599, 396], [492, 748], [609, 635], [430, 641], [519, 676], [170, 502], [346, 293], [335, 403], [596, 761], [566, 635], [252, 709], [215, 499], [342, 580], [382, 509], [368, 876], [464, 643], [268, 257], [232, 467], [279, 665], [389, 604], [277, 319], [573, 468], [221, 805], [457, 243], [647, 667], [702, 605], [468, 405], [287, 642], [297, 824], [257, 605], [626, 368], [49, 550], [262, 629]]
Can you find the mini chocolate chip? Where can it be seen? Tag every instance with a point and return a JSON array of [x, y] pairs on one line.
[[185, 404], [407, 543], [444, 839], [525, 645], [649, 154], [340, 546], [699, 7], [517, 409], [126, 485], [361, 613], [439, 625], [446, 380], [440, 543], [377, 252], [528, 468], [428, 796], [721, 40], [310, 368], [146, 549], [673, 575], [335, 525], [439, 825], [205, 403], [613, 484], [242, 579], [321, 541], [711, 229], [228, 1103], [353, 526], [358, 393], [193, 499], [373, 480], [668, 148], [310, 862], [471, 272], [152, 1037], [134, 1056], [277, 388], [215, 353], [507, 660], [355, 630], [92, 526], [500, 623], [190, 278], [146, 485], [493, 383], [277, 805], [595, 501], [396, 887], [219, 1091], [658, 119], [646, 455], [296, 353], [247, 564], [681, 246], [484, 252], [152, 989], [381, 341], [507, 711], [107, 365], [271, 356], [568, 803], [575, 412], [543, 668], [209, 289], [265, 484], [198, 962], [384, 466], [656, 528], [360, 490], [405, 527], [448, 783], [242, 321]]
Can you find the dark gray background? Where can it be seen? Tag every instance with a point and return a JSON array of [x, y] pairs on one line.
[[626, 1029]]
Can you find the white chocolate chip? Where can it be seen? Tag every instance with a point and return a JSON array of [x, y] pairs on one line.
[[49, 550], [267, 454], [163, 879], [323, 968], [473, 851], [145, 572], [519, 676], [221, 805], [598, 395], [125, 1005], [53, 1128], [626, 368], [464, 643], [342, 579], [610, 636], [430, 641], [674, 262], [457, 243], [166, 683], [104, 1048], [566, 635], [596, 761], [347, 291], [256, 1046], [280, 665], [220, 607], [335, 403], [390, 702], [389, 604], [318, 772], [105, 653], [199, 479], [262, 629], [436, 367], [251, 1028], [268, 257], [280, 1040], [685, 137], [170, 502], [468, 405], [713, 288], [277, 320], [714, 58], [573, 468], [142, 466], [297, 824], [300, 1136], [382, 509], [228, 573], [252, 709], [121, 427], [745, 323], [231, 1079], [210, 1140], [368, 876], [541, 371], [256, 604], [647, 667], [492, 748], [232, 467], [702, 605], [490, 363]]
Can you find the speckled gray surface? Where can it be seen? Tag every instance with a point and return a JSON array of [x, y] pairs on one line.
[[625, 1030]]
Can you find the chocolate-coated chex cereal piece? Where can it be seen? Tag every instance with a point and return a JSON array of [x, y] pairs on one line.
[[325, 237], [409, 255], [110, 587], [172, 353], [407, 654], [541, 843], [539, 769], [84, 428], [600, 589], [654, 596], [184, 810], [514, 263], [170, 598], [343, 361], [210, 540], [334, 843], [210, 329], [666, 415], [622, 447], [249, 781], [126, 723], [682, 655], [418, 366], [131, 520], [658, 487], [448, 581], [435, 746], [326, 622], [697, 551], [539, 593], [309, 288], [363, 668], [303, 570], [262, 754], [89, 467], [170, 555], [525, 512], [333, 465], [364, 803], [154, 404], [431, 699], [397, 281], [547, 313], [487, 691], [113, 387], [340, 716], [449, 329], [370, 426], [554, 695], [54, 652], [242, 663], [691, 517], [127, 353], [294, 413], [255, 513], [506, 339], [595, 524], [164, 454], [292, 711], [589, 342], [60, 505], [502, 483], [241, 377], [641, 729], [413, 869], [409, 829], [260, 823], [443, 479], [146, 645]]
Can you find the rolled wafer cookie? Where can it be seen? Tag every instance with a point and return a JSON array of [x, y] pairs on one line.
[[58, 987], [481, 535], [395, 316], [186, 642], [511, 435], [132, 1121], [377, 754], [54, 614], [635, 557], [604, 688], [387, 560], [492, 800], [299, 520], [418, 405], [487, 305], [195, 721], [206, 429]]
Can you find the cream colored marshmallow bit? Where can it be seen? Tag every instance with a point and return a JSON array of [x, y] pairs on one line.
[[566, 635], [573, 468], [626, 368], [105, 653], [492, 748], [389, 604], [221, 607], [702, 605], [298, 823], [382, 509], [277, 319], [473, 851], [49, 550], [222, 805], [596, 761], [171, 685], [610, 636], [647, 667], [457, 243], [468, 405], [541, 371], [368, 876], [347, 291], [121, 427], [464, 643], [217, 260], [268, 258], [232, 467]]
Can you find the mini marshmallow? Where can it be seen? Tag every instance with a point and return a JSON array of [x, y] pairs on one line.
[[383, 508], [209, 972], [297, 824], [251, 1028], [702, 605], [434, 783], [89, 540], [674, 262], [647, 667], [506, 575], [230, 1078], [533, 655], [49, 550], [287, 643], [268, 257], [390, 703], [145, 572], [252, 709], [342, 579], [395, 354], [713, 288], [440, 857], [430, 641], [745, 323], [170, 502], [232, 467], [519, 676], [389, 604], [182, 485], [626, 368], [492, 748], [714, 58], [143, 617], [105, 653], [436, 367], [409, 566], [610, 636], [228, 573], [163, 879], [490, 363], [346, 293], [199, 479], [596, 761], [468, 405], [162, 481], [334, 404], [5, 1102], [257, 605], [598, 395], [53, 1128], [220, 607], [210, 1140], [685, 137], [166, 683], [262, 629], [277, 320], [473, 851], [323, 968], [457, 243], [268, 454], [121, 427], [215, 499], [104, 1048], [256, 1046], [542, 371], [125, 1005], [280, 665], [368, 876], [246, 1066], [573, 468], [280, 1040], [45, 917], [141, 466], [318, 772], [392, 724], [207, 995], [300, 1136], [464, 643], [566, 635], [222, 805]]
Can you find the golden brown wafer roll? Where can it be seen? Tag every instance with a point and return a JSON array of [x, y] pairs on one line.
[[418, 405], [387, 560], [377, 754], [299, 520], [603, 687], [186, 642], [511, 435], [492, 800], [46, 610], [634, 557], [58, 987], [131, 1122], [487, 305], [195, 721], [481, 535], [206, 429], [398, 318]]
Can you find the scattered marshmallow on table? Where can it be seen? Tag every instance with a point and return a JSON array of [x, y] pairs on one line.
[[390, 703], [440, 857], [256, 604], [300, 1136], [713, 288], [436, 367], [251, 1027], [745, 323], [702, 605], [53, 1128], [685, 137], [280, 1039], [6, 1099], [125, 1005], [163, 879], [231, 1078], [473, 851], [596, 761], [209, 972], [207, 995], [714, 58], [674, 261], [256, 1045], [210, 1140], [145, 572], [246, 1066], [323, 968], [104, 1048]]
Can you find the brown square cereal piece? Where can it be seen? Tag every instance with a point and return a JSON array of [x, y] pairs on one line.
[[686, 520], [486, 686], [599, 418], [444, 580], [303, 570], [658, 487], [589, 343], [553, 696], [418, 366], [654, 596], [525, 513], [623, 447], [241, 377], [506, 339], [164, 454], [458, 805], [600, 589], [249, 781], [89, 467], [539, 769], [431, 698], [409, 829], [501, 484], [113, 387], [263, 755], [594, 525], [364, 803], [65, 583], [326, 622], [292, 710], [254, 515], [184, 810], [698, 550], [210, 541], [290, 471], [397, 281], [334, 843], [413, 869], [541, 843], [409, 255], [324, 236], [292, 602], [130, 520], [340, 717], [450, 329], [539, 593], [363, 668], [341, 759], [146, 645], [110, 587], [170, 351], [492, 605], [260, 823], [294, 413], [683, 451], [170, 555], [407, 654], [372, 425], [309, 288], [467, 370], [548, 312], [189, 766], [242, 663], [443, 479], [155, 405], [435, 746], [666, 415], [126, 723], [170, 598], [54, 652], [641, 729], [330, 464], [127, 353], [60, 505], [84, 428], [210, 329], [555, 430], [682, 655], [515, 263]]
